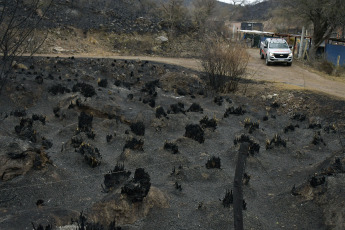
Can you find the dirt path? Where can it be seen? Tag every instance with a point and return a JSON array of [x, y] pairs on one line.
[[293, 76]]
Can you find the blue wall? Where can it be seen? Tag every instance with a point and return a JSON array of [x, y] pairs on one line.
[[332, 52]]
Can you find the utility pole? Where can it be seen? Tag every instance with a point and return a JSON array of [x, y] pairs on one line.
[[300, 52]]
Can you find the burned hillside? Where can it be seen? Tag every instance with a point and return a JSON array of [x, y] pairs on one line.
[[69, 145]]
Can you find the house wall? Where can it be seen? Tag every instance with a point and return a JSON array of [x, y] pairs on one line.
[[332, 53]]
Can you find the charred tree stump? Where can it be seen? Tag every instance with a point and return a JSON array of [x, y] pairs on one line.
[[238, 192]]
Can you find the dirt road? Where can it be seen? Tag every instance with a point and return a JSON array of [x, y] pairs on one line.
[[294, 75]]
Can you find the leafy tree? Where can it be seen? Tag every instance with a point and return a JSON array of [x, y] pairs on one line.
[[325, 17]]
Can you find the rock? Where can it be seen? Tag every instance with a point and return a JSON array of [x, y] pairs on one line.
[[16, 65], [58, 49], [162, 39], [124, 211], [17, 158]]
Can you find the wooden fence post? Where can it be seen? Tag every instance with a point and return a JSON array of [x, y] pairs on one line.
[[238, 193]]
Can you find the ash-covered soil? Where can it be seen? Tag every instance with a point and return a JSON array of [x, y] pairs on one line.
[[152, 147]]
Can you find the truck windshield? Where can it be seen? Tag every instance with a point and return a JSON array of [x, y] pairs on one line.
[[279, 45]]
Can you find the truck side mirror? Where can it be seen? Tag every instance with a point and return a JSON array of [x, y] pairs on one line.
[[290, 47]]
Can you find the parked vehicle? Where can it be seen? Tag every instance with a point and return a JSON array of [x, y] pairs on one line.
[[276, 50]]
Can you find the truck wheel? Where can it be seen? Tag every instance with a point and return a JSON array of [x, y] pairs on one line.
[[289, 63], [267, 62]]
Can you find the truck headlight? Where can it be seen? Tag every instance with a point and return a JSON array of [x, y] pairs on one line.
[[271, 54], [290, 54]]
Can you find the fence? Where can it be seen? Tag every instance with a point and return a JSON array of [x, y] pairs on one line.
[[333, 52]]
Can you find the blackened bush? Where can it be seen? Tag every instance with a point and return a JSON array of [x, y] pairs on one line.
[[85, 122], [116, 176], [205, 122], [85, 89], [138, 188], [195, 132], [138, 128], [234, 111], [102, 83], [160, 112], [195, 108], [91, 155], [171, 147], [214, 162], [134, 144], [176, 108], [58, 89]]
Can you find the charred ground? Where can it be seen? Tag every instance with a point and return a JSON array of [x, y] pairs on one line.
[[155, 148]]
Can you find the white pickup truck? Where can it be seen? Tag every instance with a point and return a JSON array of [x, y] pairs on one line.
[[276, 50]]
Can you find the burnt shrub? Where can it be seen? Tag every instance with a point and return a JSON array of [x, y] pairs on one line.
[[56, 111], [46, 144], [116, 176], [138, 188], [251, 126], [91, 155], [25, 130], [18, 113], [195, 132], [85, 122], [298, 117], [290, 128], [171, 147], [160, 112], [41, 227], [195, 108], [76, 141], [85, 89], [134, 144], [58, 89], [253, 146], [109, 137], [275, 141], [317, 139], [245, 179], [150, 101], [205, 122], [213, 162], [41, 159], [39, 80], [150, 87], [317, 180], [275, 105], [102, 83], [234, 111], [176, 108], [228, 199], [138, 128], [37, 117], [15, 155], [83, 224], [218, 100]]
